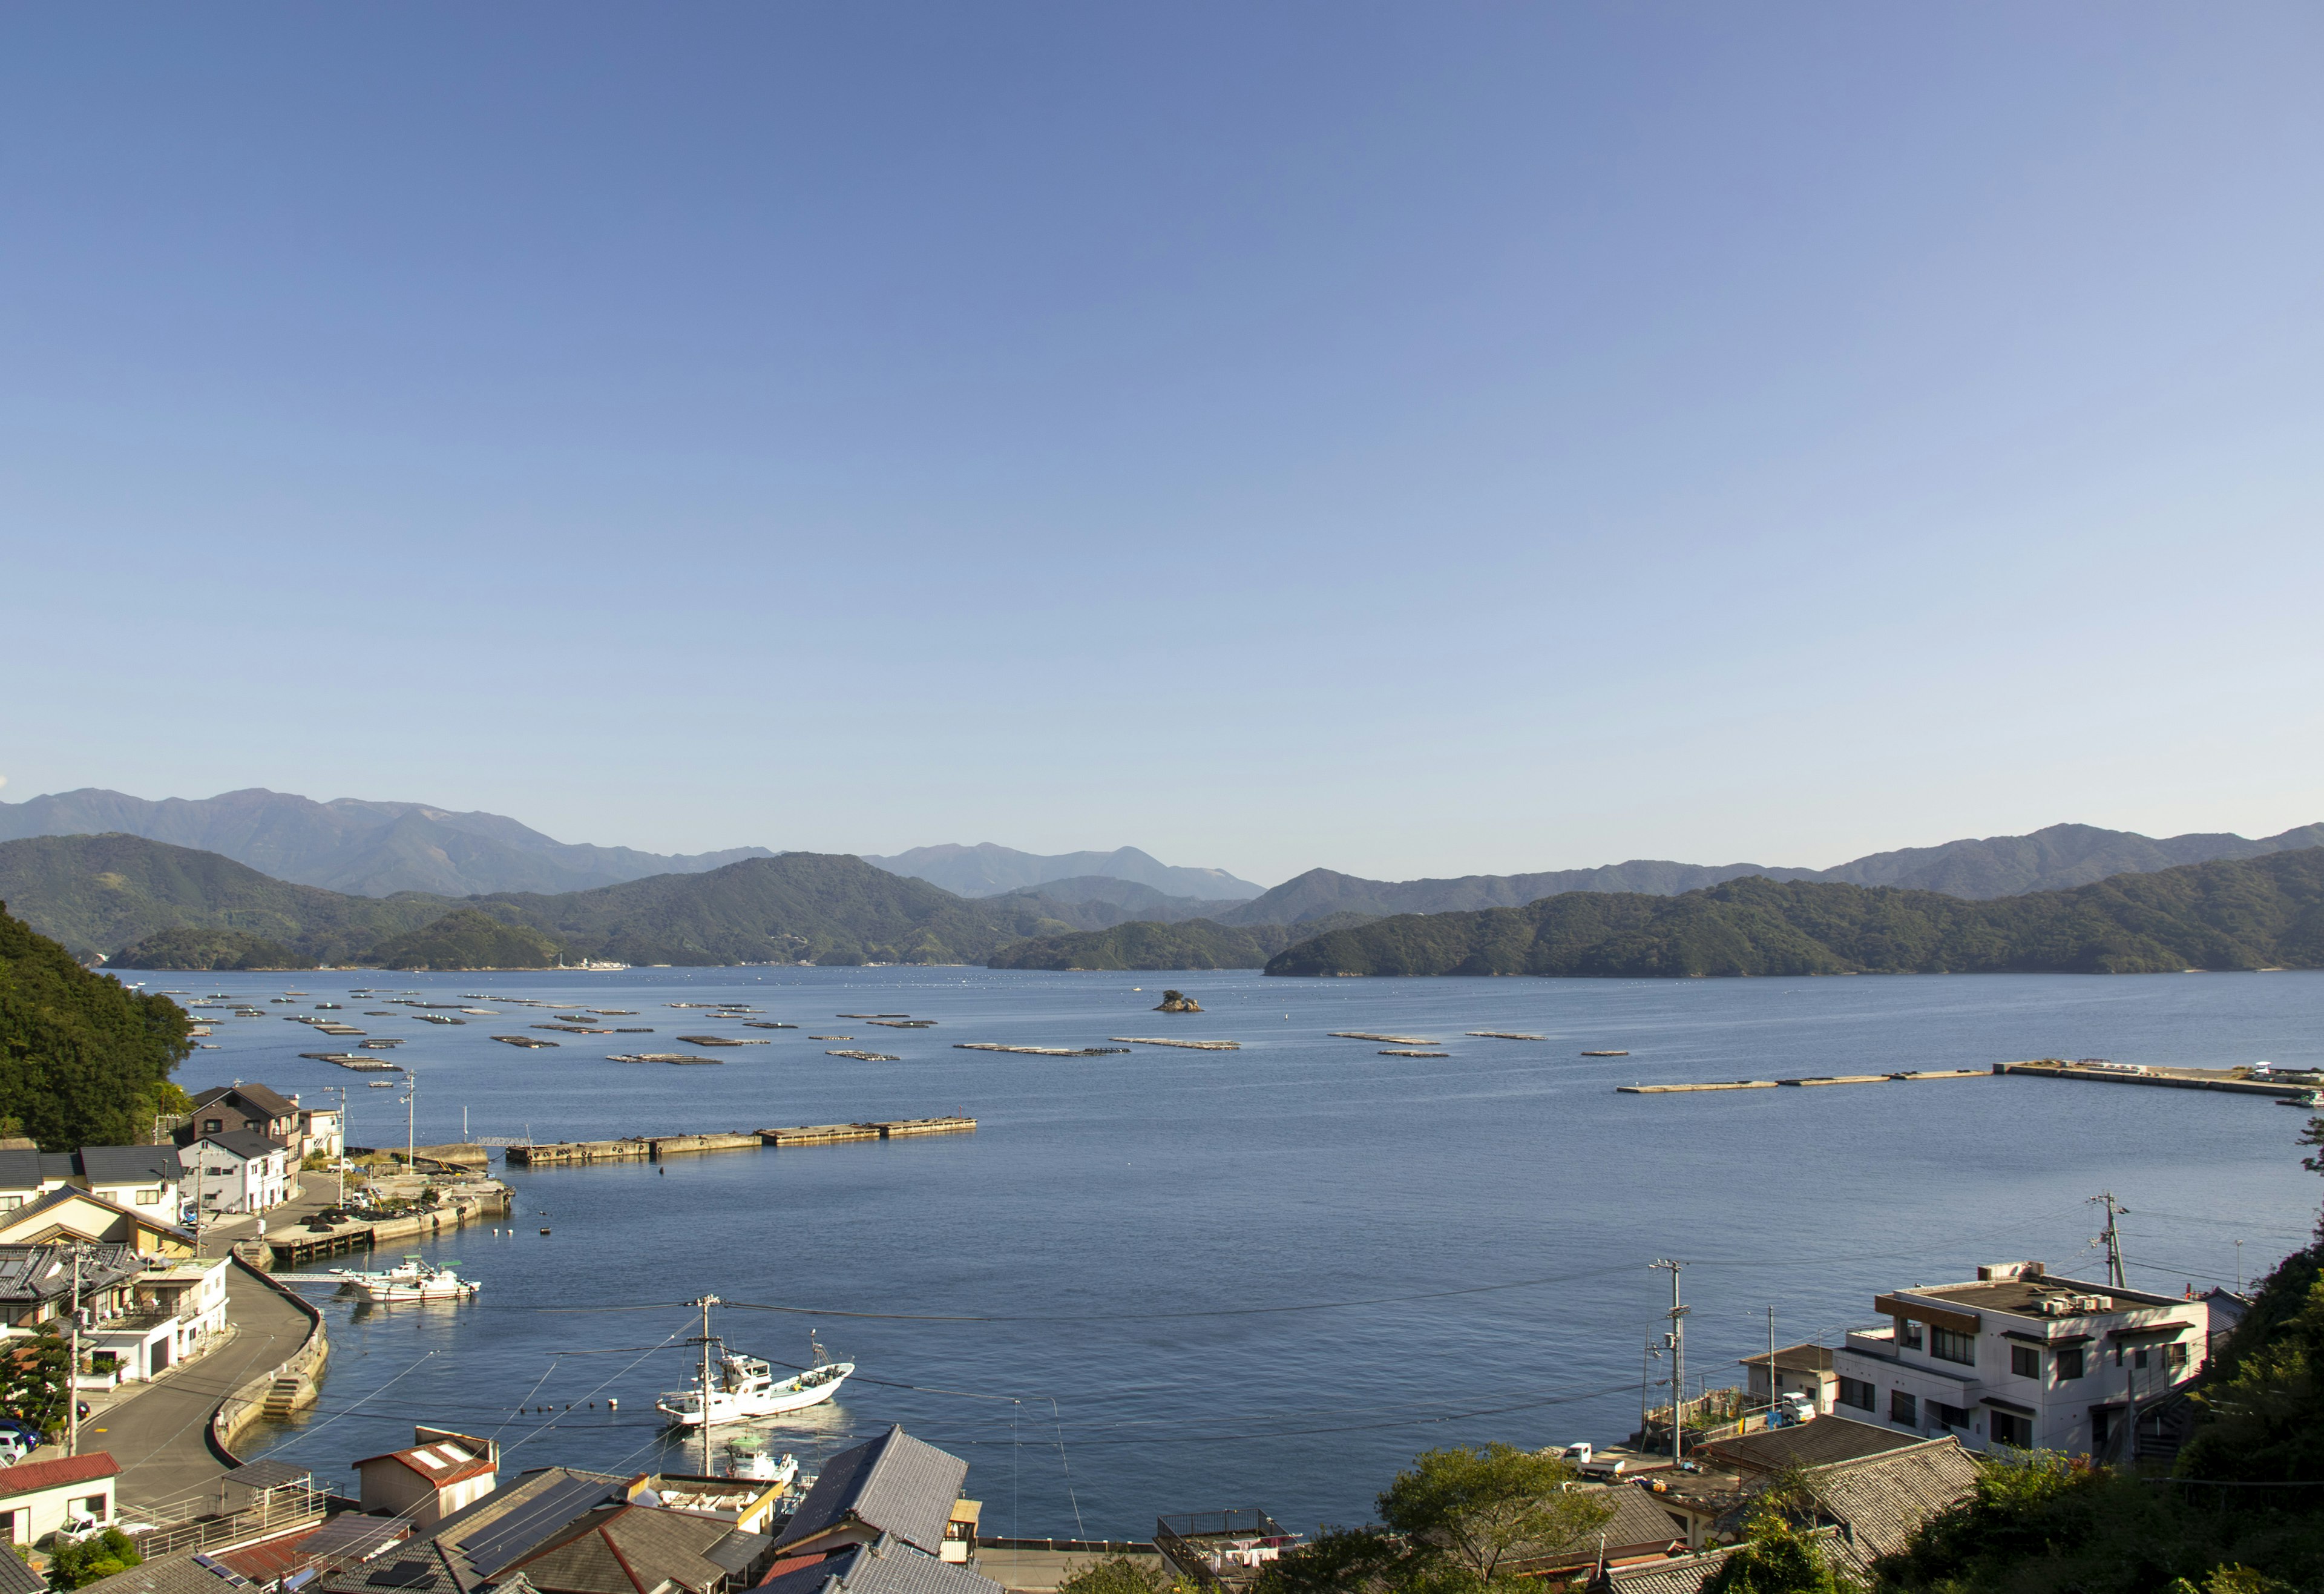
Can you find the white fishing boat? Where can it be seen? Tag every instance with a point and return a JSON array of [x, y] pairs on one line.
[[744, 1386], [412, 1279], [748, 1458]]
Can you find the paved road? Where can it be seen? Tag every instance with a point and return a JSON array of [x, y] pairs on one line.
[[161, 1435], [316, 1192]]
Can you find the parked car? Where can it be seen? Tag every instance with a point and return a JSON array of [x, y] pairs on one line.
[[15, 1448]]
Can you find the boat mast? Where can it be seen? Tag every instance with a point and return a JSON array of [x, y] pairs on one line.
[[706, 1303]]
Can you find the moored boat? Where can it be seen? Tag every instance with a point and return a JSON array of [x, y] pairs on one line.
[[744, 1386]]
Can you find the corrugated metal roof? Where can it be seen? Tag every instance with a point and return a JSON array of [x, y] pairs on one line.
[[893, 1484], [887, 1568], [30, 1476], [352, 1535]]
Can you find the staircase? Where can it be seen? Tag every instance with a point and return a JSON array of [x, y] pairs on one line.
[[282, 1401]]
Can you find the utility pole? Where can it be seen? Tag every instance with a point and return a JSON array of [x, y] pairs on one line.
[[340, 1161], [2112, 1239], [1676, 1340], [1771, 1367], [72, 1364], [2239, 1267], [410, 1151]]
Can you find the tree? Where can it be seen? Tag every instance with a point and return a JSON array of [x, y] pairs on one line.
[[100, 1555], [1478, 1508], [1125, 1574], [35, 1389], [1779, 1553], [1335, 1560]]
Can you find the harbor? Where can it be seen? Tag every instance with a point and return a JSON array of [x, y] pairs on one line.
[[567, 1154]]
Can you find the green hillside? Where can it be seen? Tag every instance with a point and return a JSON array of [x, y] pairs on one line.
[[1197, 943], [820, 907], [84, 1060], [99, 893], [467, 938], [192, 947], [96, 893], [2251, 913]]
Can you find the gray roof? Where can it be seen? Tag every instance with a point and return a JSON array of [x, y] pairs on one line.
[[1883, 1500], [1640, 1522], [44, 1273], [1810, 1444], [476, 1543], [248, 1145], [893, 1484], [16, 1578], [352, 1536], [1686, 1575], [886, 1567], [623, 1549], [265, 1102], [186, 1573], [20, 1170], [129, 1165]]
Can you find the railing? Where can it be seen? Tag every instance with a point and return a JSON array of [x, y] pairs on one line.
[[275, 1511], [1180, 1539], [237, 1408]]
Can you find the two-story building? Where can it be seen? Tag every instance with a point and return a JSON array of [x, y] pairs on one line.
[[239, 1105], [2019, 1358], [236, 1170]]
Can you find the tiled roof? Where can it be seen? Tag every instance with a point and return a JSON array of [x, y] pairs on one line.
[[884, 1568], [1810, 1444], [1686, 1575], [1883, 1500], [72, 1194], [1639, 1524], [627, 1549], [442, 1463], [262, 1099], [186, 1573], [16, 1578], [472, 1545], [20, 1170], [893, 1484], [129, 1165], [248, 1145], [30, 1476]]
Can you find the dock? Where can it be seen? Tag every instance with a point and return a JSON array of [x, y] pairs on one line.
[[1605, 1054], [678, 1058], [2235, 1081], [574, 1154], [819, 1135], [670, 1146], [866, 1056], [1388, 1039], [642, 1148], [720, 1040], [903, 1023], [527, 1040], [1510, 1035], [1041, 1051], [1188, 1045], [1812, 1080], [1410, 1051]]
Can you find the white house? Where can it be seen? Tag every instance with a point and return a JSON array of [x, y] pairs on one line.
[[142, 1177], [236, 1170], [2019, 1358], [176, 1310], [38, 1498]]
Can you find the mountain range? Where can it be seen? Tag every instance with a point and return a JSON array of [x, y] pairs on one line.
[[987, 870], [349, 844]]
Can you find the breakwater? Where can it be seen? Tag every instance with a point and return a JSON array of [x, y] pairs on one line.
[[643, 1148]]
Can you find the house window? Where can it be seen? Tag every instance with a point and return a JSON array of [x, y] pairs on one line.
[[1856, 1392], [2138, 1357], [1951, 1416], [9, 1203], [2026, 1362], [2012, 1429], [211, 1126], [1908, 1334], [94, 1506], [2176, 1356], [1901, 1408], [1946, 1345], [149, 1197], [2070, 1363]]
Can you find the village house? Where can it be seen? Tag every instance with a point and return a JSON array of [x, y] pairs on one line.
[[232, 1172], [2019, 1358], [38, 1284], [142, 1177], [885, 1515], [39, 1497], [66, 1215], [1800, 1369], [442, 1473], [264, 1110]]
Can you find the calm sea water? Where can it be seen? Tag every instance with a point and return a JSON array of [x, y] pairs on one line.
[[1180, 1281]]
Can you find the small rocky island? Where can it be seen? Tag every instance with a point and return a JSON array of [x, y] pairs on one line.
[[1179, 1002]]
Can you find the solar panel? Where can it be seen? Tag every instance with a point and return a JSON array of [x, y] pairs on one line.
[[402, 1574], [352, 1534], [495, 1543]]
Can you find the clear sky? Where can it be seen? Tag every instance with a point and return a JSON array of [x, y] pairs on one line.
[[1412, 439]]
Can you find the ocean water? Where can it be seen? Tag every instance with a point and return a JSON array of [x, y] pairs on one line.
[[1178, 1281]]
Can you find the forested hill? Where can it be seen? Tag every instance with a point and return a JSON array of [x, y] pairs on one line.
[[84, 1060], [2250, 913], [1196, 943], [147, 903]]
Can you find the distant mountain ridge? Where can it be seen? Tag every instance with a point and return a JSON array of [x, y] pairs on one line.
[[119, 893], [987, 870], [350, 844], [2051, 859]]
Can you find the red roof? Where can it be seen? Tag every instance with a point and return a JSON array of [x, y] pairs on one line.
[[790, 1563], [26, 1478], [442, 1463]]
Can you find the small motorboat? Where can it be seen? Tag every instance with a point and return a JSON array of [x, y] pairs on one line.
[[412, 1279], [744, 1386], [2313, 1101]]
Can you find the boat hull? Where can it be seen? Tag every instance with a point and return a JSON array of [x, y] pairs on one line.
[[742, 1408]]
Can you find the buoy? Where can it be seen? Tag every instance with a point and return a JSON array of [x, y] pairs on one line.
[[612, 1404], [544, 1231]]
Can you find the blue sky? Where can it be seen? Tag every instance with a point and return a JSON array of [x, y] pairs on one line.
[[1414, 440]]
